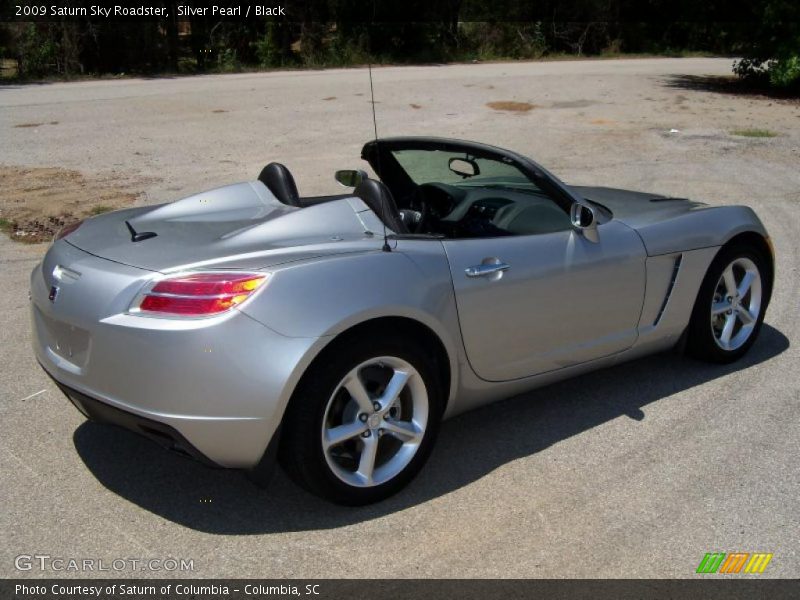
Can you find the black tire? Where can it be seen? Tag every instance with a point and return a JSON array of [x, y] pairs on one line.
[[301, 451], [701, 340]]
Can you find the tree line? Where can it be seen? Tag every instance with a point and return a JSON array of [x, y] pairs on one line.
[[327, 33]]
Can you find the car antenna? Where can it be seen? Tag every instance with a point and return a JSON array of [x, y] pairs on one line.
[[386, 247], [141, 236]]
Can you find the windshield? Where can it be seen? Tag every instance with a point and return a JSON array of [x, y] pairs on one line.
[[433, 166]]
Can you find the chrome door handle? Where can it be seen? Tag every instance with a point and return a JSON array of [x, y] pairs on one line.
[[486, 269]]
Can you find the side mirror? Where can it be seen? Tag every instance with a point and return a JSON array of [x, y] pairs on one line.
[[350, 177], [465, 167], [584, 220]]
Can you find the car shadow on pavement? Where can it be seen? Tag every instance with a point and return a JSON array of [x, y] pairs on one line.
[[469, 447]]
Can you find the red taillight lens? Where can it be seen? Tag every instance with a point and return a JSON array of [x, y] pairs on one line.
[[199, 294], [67, 229]]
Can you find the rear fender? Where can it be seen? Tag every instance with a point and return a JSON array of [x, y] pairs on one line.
[[325, 297]]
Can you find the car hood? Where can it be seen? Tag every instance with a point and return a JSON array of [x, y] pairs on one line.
[[239, 225], [638, 209], [668, 225]]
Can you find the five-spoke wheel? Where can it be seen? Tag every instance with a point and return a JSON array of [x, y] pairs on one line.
[[363, 419], [736, 304], [375, 421], [730, 304]]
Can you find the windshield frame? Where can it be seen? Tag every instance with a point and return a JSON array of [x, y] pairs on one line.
[[378, 153]]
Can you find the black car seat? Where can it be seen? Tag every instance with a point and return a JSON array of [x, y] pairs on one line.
[[280, 182], [379, 199]]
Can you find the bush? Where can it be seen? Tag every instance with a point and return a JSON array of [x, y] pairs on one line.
[[227, 61], [785, 72], [37, 51], [267, 49], [504, 40], [772, 48]]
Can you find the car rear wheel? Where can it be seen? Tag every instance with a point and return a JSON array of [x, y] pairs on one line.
[[730, 305], [363, 421]]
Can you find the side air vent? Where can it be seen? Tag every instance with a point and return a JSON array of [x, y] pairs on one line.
[[675, 268]]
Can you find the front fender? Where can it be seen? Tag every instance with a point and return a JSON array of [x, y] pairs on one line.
[[697, 229]]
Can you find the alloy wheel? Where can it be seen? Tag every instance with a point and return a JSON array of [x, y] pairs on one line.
[[736, 304], [375, 421]]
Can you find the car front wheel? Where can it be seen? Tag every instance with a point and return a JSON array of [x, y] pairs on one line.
[[363, 421], [730, 305]]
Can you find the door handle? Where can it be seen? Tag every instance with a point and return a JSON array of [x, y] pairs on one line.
[[484, 270]]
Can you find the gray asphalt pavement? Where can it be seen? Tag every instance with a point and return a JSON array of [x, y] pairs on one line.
[[635, 471]]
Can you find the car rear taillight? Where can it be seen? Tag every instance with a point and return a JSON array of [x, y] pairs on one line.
[[67, 229], [197, 294]]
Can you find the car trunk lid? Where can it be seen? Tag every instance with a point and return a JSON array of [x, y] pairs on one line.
[[240, 220]]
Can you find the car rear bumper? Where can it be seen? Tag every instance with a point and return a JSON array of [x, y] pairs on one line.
[[215, 388], [161, 433]]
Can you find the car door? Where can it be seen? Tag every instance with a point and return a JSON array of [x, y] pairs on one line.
[[529, 304]]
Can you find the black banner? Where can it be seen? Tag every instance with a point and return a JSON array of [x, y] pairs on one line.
[[396, 589], [382, 11]]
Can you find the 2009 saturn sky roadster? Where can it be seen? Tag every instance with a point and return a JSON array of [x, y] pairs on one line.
[[248, 323]]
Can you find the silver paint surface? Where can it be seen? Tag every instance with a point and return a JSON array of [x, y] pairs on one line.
[[565, 306]]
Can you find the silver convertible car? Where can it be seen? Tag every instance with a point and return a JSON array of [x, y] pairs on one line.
[[249, 325]]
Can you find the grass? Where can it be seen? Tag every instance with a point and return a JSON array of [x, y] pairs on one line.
[[100, 209], [754, 133], [6, 225]]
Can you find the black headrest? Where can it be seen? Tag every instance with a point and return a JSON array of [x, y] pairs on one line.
[[379, 199], [280, 182]]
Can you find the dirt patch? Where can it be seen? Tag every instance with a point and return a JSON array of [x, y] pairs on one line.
[[219, 110], [330, 98], [511, 106], [601, 122], [415, 106], [37, 202]]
